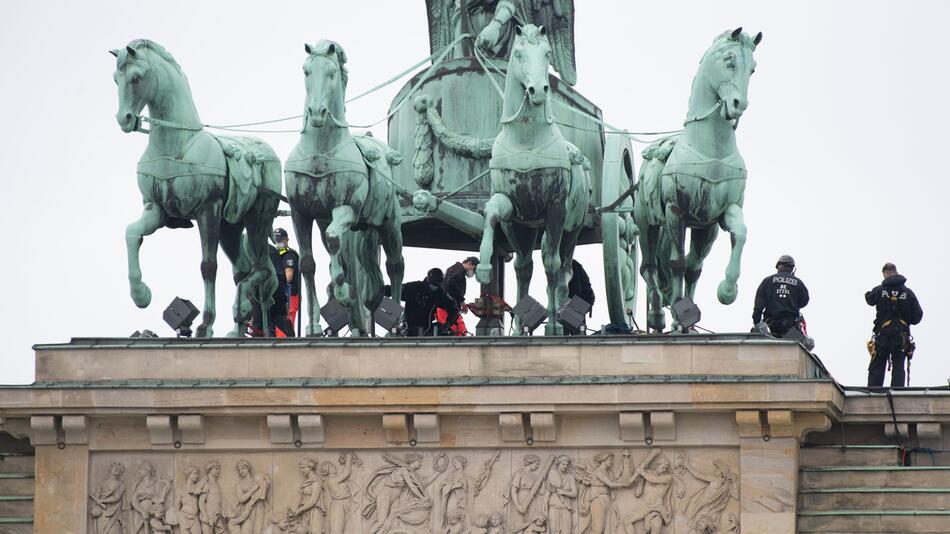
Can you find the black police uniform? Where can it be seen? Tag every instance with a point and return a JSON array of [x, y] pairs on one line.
[[290, 259], [277, 313], [579, 286], [455, 283], [897, 309], [780, 297], [421, 300]]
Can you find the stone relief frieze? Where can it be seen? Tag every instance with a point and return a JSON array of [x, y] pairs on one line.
[[515, 491]]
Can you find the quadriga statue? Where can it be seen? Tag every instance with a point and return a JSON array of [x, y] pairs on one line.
[[340, 180], [696, 181], [228, 185]]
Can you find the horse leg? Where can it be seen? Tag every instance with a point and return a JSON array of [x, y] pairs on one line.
[[649, 266], [521, 239], [303, 228], [366, 278], [551, 259], [734, 223], [700, 243], [230, 235], [209, 229], [676, 232], [338, 238], [152, 219], [249, 290], [391, 236], [497, 209], [568, 245]]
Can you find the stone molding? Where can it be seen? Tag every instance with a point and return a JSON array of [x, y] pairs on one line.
[[767, 424], [160, 429]]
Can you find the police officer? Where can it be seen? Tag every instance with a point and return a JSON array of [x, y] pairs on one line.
[[279, 323], [780, 298], [422, 298], [897, 309], [288, 266]]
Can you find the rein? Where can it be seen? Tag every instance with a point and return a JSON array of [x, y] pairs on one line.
[[166, 124]]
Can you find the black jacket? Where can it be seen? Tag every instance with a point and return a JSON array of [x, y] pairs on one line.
[[421, 302], [455, 283], [780, 296], [579, 285], [896, 303]]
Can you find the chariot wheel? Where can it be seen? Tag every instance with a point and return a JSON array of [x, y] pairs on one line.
[[618, 231]]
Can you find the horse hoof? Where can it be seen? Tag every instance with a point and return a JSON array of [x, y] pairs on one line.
[[483, 274], [727, 293], [314, 330], [141, 295], [237, 331], [204, 331]]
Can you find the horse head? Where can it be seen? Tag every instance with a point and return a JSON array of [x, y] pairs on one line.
[[325, 77], [727, 67], [136, 82], [530, 59]]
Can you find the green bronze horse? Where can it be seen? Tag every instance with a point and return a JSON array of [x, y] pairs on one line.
[[340, 180], [226, 184], [538, 179], [697, 181]]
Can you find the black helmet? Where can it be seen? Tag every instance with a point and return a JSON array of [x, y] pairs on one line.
[[435, 276], [280, 235], [785, 259]]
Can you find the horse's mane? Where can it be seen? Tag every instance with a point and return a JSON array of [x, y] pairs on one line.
[[531, 33], [154, 47], [322, 48], [725, 38]]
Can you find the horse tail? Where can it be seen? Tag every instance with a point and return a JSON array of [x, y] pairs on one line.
[[368, 253], [664, 247]]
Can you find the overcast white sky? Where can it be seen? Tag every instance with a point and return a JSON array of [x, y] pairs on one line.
[[845, 141]]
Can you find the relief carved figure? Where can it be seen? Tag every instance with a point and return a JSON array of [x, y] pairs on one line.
[[561, 488], [188, 498], [339, 491], [211, 502], [147, 500], [732, 523], [596, 507], [524, 488], [496, 523], [705, 506], [454, 494], [456, 490], [107, 503], [653, 488], [537, 525], [308, 513], [453, 523], [249, 513], [396, 492], [479, 525]]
